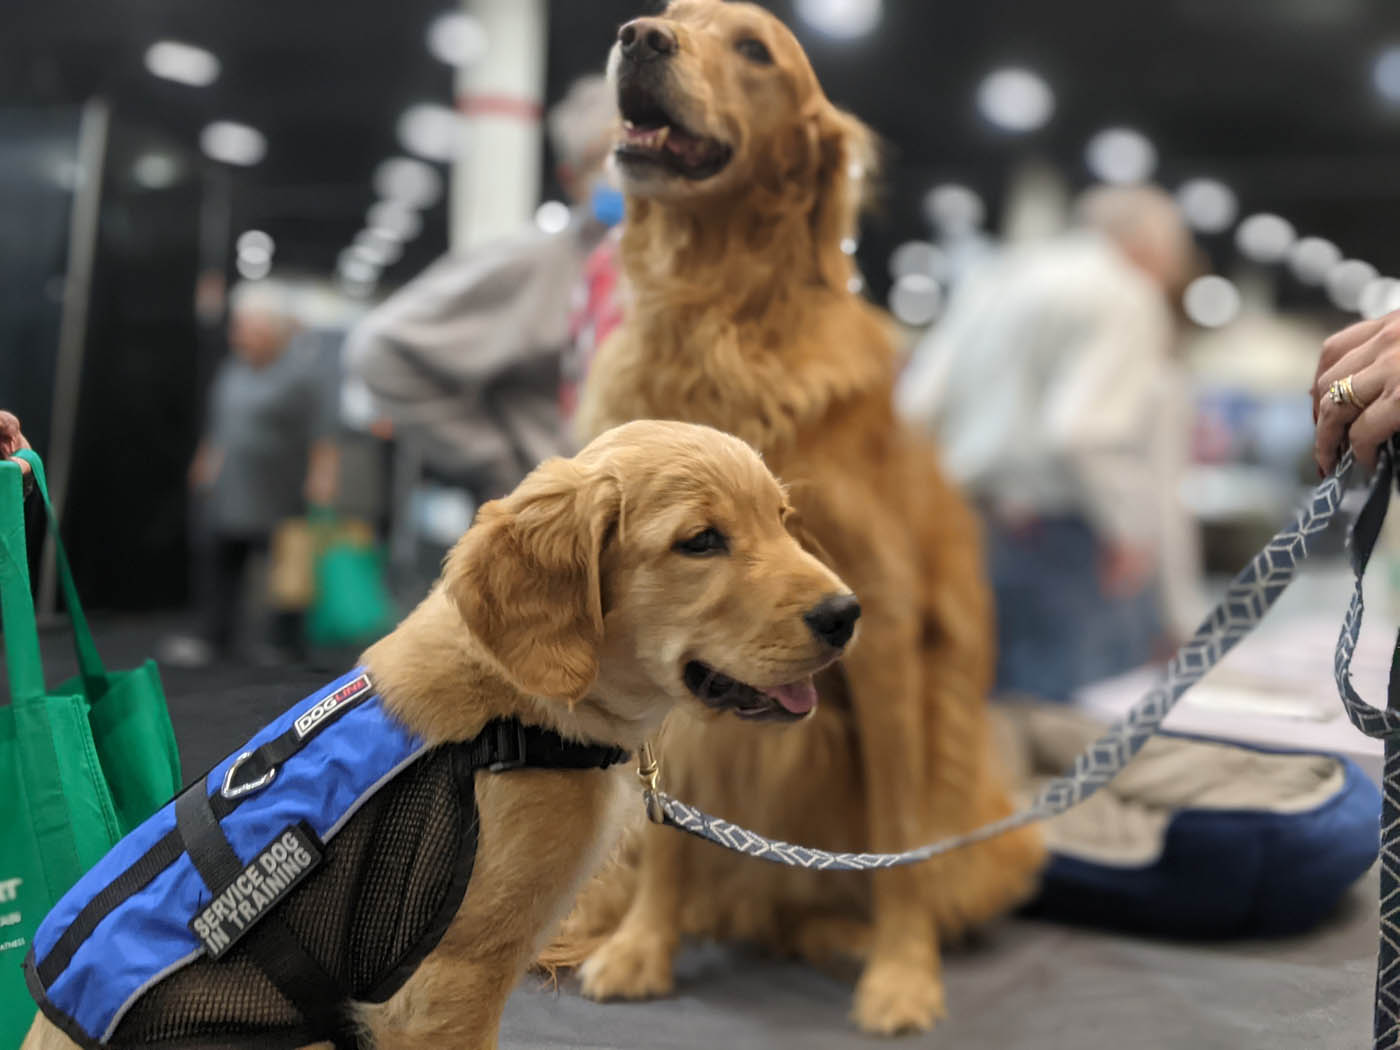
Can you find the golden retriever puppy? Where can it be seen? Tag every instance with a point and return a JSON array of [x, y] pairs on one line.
[[742, 182], [652, 571]]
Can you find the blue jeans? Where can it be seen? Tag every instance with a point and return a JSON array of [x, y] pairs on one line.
[[1056, 629]]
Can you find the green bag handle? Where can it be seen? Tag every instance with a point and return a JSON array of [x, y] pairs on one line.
[[26, 669], [94, 675]]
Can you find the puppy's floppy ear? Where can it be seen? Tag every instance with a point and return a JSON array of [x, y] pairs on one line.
[[527, 581], [847, 158]]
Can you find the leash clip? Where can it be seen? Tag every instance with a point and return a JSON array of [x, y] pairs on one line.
[[232, 791], [649, 772]]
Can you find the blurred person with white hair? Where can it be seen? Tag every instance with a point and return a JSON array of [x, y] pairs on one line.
[[1052, 388], [466, 358], [268, 453]]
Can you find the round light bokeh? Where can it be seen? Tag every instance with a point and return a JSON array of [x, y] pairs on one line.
[[1122, 156], [954, 208], [232, 143], [156, 170], [432, 131], [457, 39], [414, 183], [1208, 205], [396, 218], [1312, 259], [378, 247], [1265, 238], [918, 257], [1347, 280], [1211, 301], [1016, 100], [552, 216], [916, 299], [842, 19], [1379, 297]]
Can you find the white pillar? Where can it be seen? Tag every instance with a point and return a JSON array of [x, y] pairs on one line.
[[496, 181]]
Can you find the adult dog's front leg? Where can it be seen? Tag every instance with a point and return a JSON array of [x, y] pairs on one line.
[[901, 988], [636, 961]]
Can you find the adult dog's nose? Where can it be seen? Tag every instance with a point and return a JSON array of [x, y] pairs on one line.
[[644, 39], [834, 620]]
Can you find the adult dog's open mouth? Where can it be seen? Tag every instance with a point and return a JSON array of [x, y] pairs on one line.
[[784, 703], [651, 136]]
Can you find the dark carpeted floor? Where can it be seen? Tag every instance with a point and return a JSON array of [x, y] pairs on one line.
[[1025, 986]]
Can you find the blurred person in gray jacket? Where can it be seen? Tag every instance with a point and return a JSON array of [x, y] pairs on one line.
[[1052, 387], [465, 359]]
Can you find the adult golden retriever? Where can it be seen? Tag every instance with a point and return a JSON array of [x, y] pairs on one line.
[[652, 571], [742, 183]]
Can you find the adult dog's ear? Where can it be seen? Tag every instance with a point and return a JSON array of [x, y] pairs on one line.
[[527, 581], [847, 159]]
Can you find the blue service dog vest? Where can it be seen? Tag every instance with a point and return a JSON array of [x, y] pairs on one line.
[[316, 866]]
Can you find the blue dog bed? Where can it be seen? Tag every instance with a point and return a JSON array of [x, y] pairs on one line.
[[1199, 838]]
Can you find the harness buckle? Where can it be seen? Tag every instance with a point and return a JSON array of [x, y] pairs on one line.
[[510, 747], [649, 772], [229, 791]]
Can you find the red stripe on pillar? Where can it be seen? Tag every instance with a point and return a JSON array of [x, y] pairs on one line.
[[500, 106]]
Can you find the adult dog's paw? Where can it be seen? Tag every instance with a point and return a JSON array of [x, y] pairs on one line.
[[894, 999], [628, 966]]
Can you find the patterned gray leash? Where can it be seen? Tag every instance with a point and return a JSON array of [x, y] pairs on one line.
[[1248, 598]]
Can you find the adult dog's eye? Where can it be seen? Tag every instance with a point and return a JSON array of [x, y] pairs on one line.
[[705, 542], [754, 51]]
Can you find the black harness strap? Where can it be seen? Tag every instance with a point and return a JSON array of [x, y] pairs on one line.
[[510, 744], [278, 952]]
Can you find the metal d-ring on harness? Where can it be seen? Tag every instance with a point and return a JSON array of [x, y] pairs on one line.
[[1248, 598]]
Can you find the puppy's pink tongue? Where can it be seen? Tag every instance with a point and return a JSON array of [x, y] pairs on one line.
[[797, 697]]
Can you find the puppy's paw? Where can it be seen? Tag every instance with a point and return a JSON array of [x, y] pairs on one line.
[[628, 966], [894, 999]]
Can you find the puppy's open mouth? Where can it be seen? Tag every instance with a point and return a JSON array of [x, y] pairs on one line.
[[784, 703], [651, 136]]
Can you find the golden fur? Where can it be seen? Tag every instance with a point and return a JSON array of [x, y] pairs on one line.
[[566, 605], [742, 317]]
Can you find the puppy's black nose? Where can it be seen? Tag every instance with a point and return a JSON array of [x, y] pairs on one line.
[[834, 620], [644, 39]]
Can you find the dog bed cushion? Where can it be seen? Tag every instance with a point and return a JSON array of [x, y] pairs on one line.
[[1196, 838]]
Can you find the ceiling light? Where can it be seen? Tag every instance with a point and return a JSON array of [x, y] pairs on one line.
[[552, 216], [916, 299], [919, 257], [232, 143], [1386, 75], [1211, 301], [183, 63], [954, 209], [1207, 204], [1379, 297], [1347, 280], [1121, 155], [842, 19], [457, 39], [432, 131], [255, 243], [1265, 238], [396, 218], [410, 182], [378, 247], [253, 269], [155, 171], [1016, 100], [1312, 259]]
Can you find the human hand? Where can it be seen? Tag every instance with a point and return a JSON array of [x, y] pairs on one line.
[[205, 467], [1125, 570], [12, 439], [1369, 354]]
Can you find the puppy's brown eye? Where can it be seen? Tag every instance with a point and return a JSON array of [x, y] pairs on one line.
[[754, 51], [704, 543]]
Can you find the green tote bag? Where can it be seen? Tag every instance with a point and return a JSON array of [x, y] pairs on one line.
[[80, 764]]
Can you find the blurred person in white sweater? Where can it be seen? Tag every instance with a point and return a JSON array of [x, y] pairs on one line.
[[1052, 389]]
